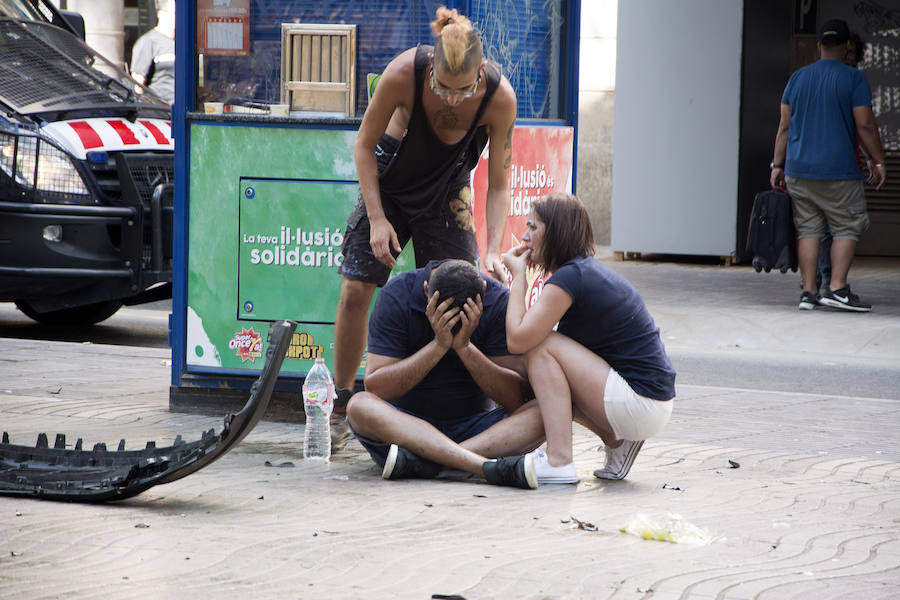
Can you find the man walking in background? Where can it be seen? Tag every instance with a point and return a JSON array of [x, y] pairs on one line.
[[153, 56], [825, 107]]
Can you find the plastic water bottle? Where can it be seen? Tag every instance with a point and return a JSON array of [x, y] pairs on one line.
[[318, 400]]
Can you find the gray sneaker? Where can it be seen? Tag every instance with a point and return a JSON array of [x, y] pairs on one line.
[[403, 464], [619, 460], [340, 433]]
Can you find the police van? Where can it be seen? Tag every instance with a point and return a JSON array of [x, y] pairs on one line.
[[86, 174]]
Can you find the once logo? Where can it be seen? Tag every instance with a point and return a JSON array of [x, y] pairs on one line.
[[247, 344]]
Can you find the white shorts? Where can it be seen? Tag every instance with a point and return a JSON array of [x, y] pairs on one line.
[[632, 416]]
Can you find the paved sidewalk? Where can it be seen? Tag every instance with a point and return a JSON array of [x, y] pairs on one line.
[[812, 511]]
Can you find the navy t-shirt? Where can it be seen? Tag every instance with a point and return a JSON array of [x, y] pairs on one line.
[[609, 318], [822, 135], [399, 328]]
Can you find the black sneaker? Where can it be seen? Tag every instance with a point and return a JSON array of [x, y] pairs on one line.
[[403, 464], [514, 471], [808, 301], [845, 300]]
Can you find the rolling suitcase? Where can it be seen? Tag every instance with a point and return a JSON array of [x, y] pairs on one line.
[[772, 239]]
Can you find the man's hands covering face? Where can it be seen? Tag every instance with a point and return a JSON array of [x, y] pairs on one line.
[[444, 320]]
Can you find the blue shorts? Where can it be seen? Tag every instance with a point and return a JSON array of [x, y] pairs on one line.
[[458, 430]]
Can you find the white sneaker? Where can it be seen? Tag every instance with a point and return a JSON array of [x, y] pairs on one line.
[[619, 460], [546, 473]]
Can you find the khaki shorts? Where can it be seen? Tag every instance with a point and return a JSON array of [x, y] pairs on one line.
[[823, 204], [632, 416]]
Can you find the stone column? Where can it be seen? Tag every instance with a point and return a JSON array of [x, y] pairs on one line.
[[596, 100], [104, 24]]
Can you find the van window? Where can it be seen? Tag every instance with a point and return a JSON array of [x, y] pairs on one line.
[[18, 10]]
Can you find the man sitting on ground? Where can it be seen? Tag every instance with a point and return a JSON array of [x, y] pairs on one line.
[[437, 362]]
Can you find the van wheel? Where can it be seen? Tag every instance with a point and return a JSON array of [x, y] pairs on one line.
[[79, 315]]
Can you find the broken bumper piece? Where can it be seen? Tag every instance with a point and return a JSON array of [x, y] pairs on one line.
[[98, 475]]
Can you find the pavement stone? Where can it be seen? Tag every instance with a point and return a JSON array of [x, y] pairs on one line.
[[813, 510]]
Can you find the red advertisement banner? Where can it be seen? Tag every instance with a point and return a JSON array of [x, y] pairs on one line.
[[541, 163]]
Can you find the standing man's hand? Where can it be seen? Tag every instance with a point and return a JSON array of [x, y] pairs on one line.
[[877, 174], [500, 118], [779, 154], [870, 168], [383, 239], [395, 93], [776, 178], [494, 266]]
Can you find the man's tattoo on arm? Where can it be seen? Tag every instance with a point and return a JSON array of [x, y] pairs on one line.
[[507, 147]]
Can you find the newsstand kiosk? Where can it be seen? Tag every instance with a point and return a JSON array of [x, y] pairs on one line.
[[269, 98]]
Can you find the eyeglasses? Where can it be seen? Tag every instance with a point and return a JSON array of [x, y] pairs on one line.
[[445, 93]]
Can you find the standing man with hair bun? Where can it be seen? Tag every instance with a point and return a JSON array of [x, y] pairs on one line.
[[433, 112], [153, 56]]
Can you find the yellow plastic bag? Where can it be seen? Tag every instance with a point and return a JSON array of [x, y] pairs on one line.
[[667, 527]]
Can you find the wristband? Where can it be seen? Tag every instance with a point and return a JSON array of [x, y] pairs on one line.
[[772, 165]]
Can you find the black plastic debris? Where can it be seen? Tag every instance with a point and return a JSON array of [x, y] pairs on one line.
[[98, 475]]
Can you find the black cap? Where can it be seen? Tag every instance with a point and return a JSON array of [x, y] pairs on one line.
[[834, 31]]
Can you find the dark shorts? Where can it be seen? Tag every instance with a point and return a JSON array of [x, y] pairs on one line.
[[458, 430], [446, 230]]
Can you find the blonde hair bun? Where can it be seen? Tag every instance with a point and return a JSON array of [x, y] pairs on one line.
[[445, 16], [457, 49]]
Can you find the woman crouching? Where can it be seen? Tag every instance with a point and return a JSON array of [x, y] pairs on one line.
[[605, 365]]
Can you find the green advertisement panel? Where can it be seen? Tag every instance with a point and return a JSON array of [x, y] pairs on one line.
[[291, 233], [267, 214], [295, 179]]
